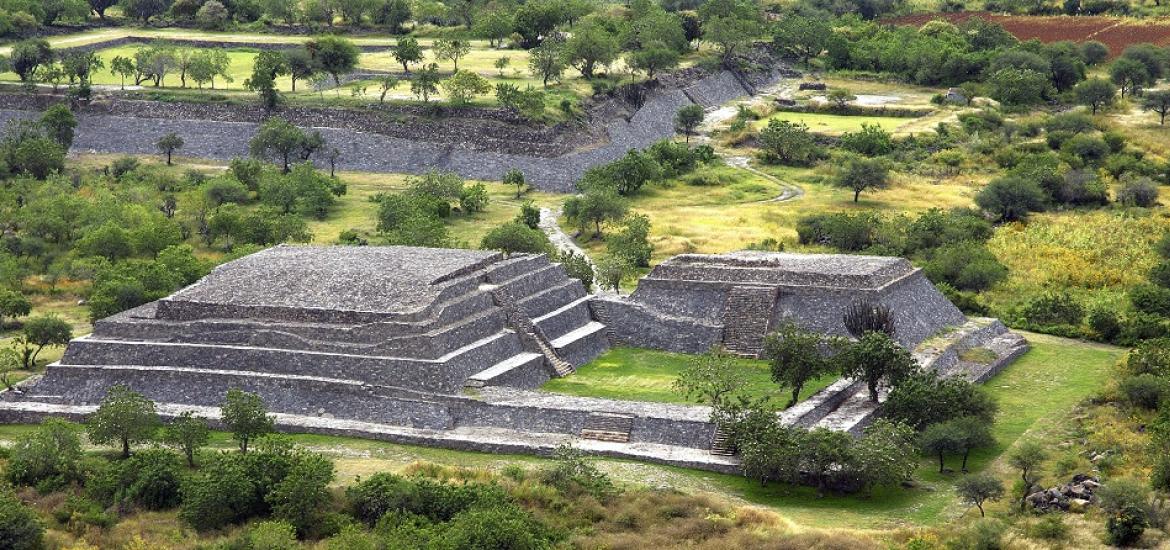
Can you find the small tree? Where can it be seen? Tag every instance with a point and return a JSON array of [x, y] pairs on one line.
[[1095, 93], [122, 67], [187, 433], [1027, 458], [1011, 198], [594, 208], [653, 58], [302, 498], [407, 52], [465, 85], [19, 526], [788, 143], [246, 416], [13, 304], [688, 119], [939, 440], [425, 83], [9, 363], [513, 237], [335, 55], [59, 123], [875, 358], [168, 144], [452, 49], [710, 378], [796, 356], [547, 62], [976, 435], [41, 332], [502, 63], [611, 271], [840, 98], [1157, 101], [516, 178], [861, 174], [124, 417], [980, 488], [386, 83]]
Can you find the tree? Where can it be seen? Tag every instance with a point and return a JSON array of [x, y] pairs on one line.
[[688, 119], [804, 37], [654, 57], [426, 82], [282, 10], [385, 84], [168, 144], [979, 488], [212, 15], [633, 241], [885, 454], [301, 65], [302, 497], [278, 139], [940, 440], [393, 14], [1013, 86], [595, 207], [515, 177], [513, 237], [926, 398], [547, 62], [501, 63], [28, 56], [1027, 457], [876, 357], [123, 67], [822, 454], [1095, 93], [188, 433], [19, 527], [797, 356], [41, 332], [611, 271], [1157, 101], [268, 66], [9, 363], [80, 66], [406, 52], [976, 435], [334, 55], [1130, 75], [710, 378], [452, 49], [124, 417], [1011, 198], [788, 143], [494, 25], [145, 9], [464, 85], [13, 304], [730, 25], [245, 415], [840, 98], [860, 174], [590, 46], [49, 454]]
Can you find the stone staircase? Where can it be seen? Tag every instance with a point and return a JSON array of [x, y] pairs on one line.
[[721, 444], [608, 427], [747, 317]]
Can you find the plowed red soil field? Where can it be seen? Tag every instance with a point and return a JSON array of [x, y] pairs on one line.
[[1117, 33]]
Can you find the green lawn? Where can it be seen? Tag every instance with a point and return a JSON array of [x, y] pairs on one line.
[[648, 375]]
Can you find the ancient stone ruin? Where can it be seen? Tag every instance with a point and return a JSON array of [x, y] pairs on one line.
[[448, 347]]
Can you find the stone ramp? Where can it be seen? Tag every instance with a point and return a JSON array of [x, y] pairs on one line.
[[747, 318]]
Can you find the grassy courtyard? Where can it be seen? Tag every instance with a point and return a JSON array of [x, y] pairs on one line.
[[649, 375]]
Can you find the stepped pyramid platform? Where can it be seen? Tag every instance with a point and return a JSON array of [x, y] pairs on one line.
[[447, 347]]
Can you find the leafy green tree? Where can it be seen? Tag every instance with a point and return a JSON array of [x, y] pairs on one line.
[[632, 242], [611, 271], [50, 455], [978, 489], [385, 84], [730, 25], [710, 378], [27, 56], [168, 144], [494, 25], [591, 46], [301, 65], [797, 356], [188, 433], [1130, 75], [1157, 101], [246, 416], [407, 52], [426, 82], [123, 417], [13, 304], [547, 62], [465, 85], [452, 49], [939, 440], [9, 363], [788, 143], [822, 453], [99, 7], [885, 454], [302, 497], [145, 9], [123, 67], [1011, 198], [516, 178], [804, 37], [653, 58], [41, 332], [513, 237], [595, 207], [334, 55], [268, 66], [688, 119], [80, 66], [925, 398], [861, 174], [872, 140], [875, 358], [1015, 87], [277, 139], [1095, 93], [1027, 456]]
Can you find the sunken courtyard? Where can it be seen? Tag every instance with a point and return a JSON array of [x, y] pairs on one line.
[[448, 347]]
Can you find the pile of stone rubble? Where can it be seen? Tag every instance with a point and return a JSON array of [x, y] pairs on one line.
[[1073, 496]]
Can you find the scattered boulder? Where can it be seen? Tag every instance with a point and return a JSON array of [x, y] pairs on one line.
[[813, 86], [1073, 496]]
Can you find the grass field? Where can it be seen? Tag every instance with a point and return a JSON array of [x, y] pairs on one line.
[[649, 375], [838, 124]]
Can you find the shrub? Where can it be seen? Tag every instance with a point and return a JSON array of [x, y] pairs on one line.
[[578, 267], [1105, 323], [870, 141], [514, 237], [272, 535], [1011, 198], [1082, 188], [1144, 390], [1054, 308], [1125, 527], [495, 527], [1140, 326], [1073, 122], [968, 302], [150, 479], [122, 166], [984, 534], [1050, 527], [675, 158], [1152, 299], [845, 232], [19, 526], [529, 215], [1090, 149], [383, 492], [47, 457], [965, 266], [1139, 191], [1150, 357]]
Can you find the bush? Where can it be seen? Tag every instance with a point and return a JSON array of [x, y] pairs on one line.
[[272, 535], [1105, 323], [383, 492], [1150, 357], [845, 232], [514, 237], [1054, 308], [122, 166], [1152, 299], [1011, 198], [1050, 527], [150, 478], [47, 457], [965, 266], [1140, 326], [968, 302], [1141, 192], [1125, 527], [870, 141], [1145, 391], [984, 534], [19, 526], [502, 527]]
